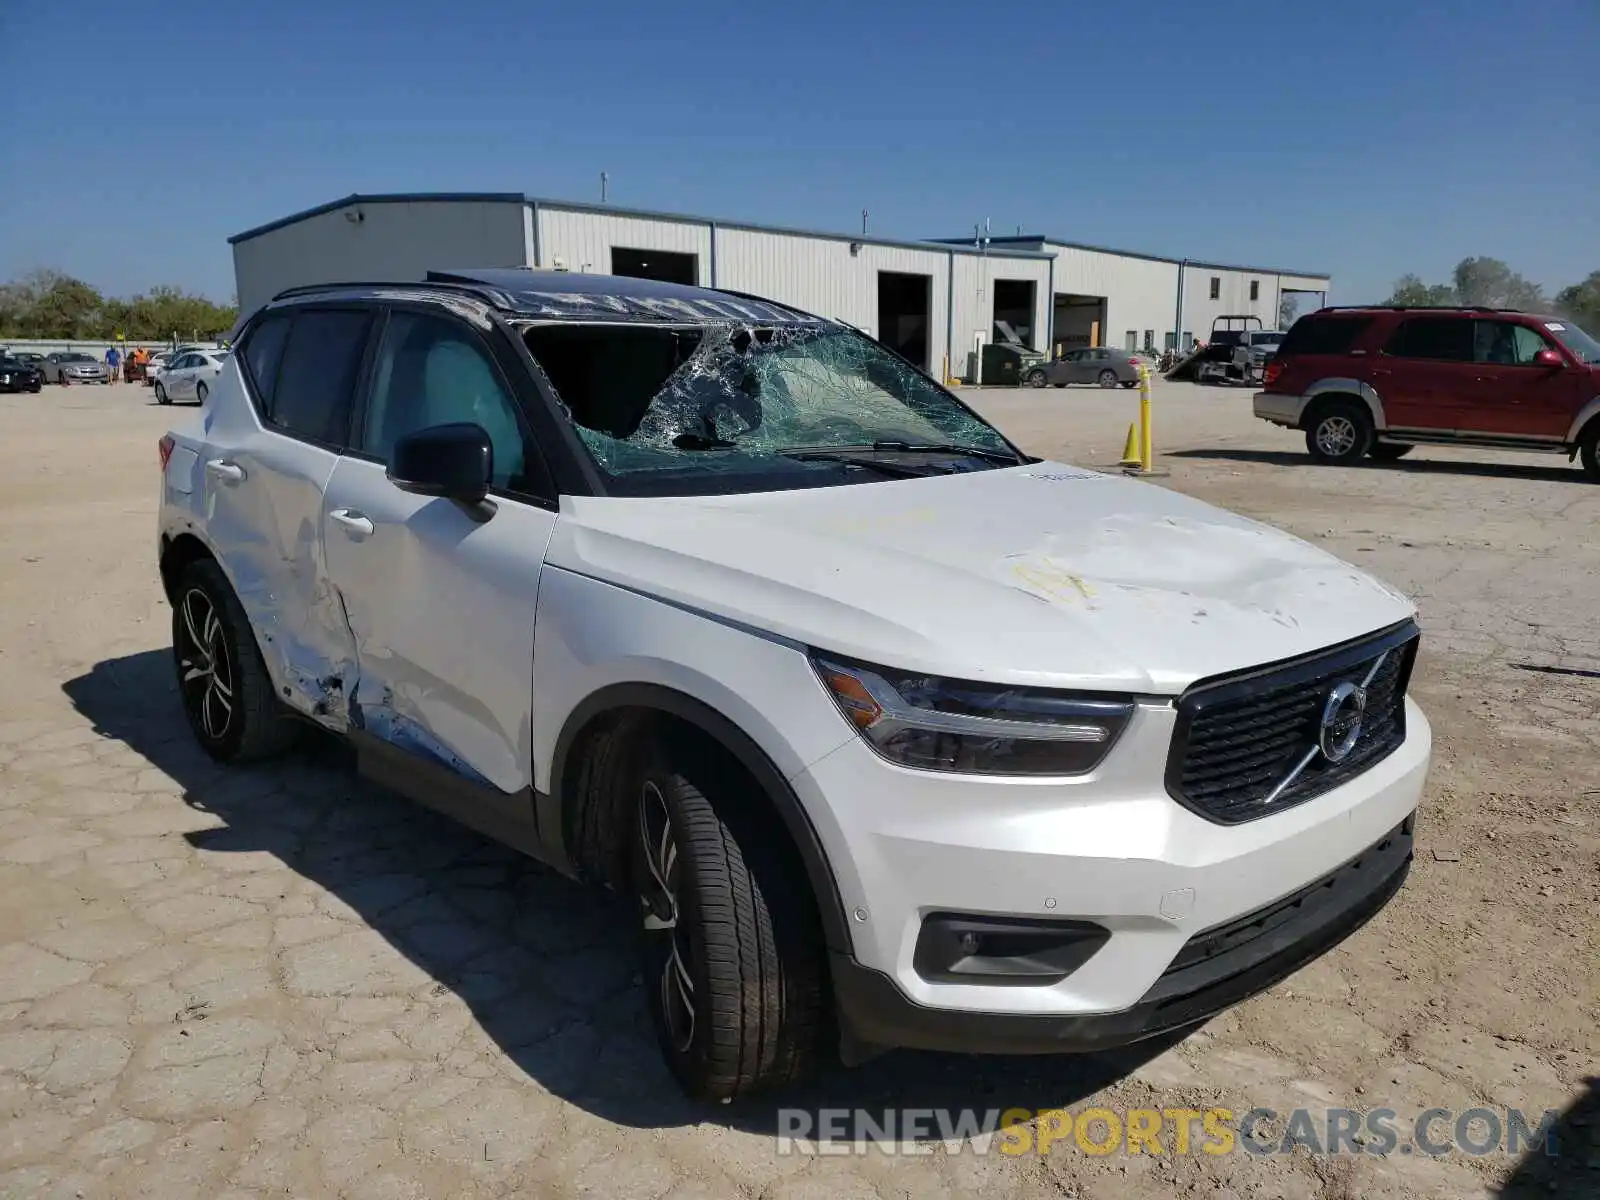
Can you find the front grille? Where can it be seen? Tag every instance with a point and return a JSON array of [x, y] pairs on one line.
[[1239, 738]]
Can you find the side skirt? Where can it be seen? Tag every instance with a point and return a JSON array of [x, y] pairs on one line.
[[507, 817]]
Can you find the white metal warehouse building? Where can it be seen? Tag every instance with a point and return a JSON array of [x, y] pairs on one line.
[[928, 299]]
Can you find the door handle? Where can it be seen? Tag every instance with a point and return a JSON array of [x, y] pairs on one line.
[[227, 471], [1381, 371], [354, 522]]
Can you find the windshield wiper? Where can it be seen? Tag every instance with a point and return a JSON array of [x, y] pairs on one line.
[[997, 456], [853, 457]]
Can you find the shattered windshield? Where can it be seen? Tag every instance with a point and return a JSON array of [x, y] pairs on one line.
[[699, 400]]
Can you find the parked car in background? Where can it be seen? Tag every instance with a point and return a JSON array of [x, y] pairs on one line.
[[19, 376], [818, 689], [31, 358], [1095, 364], [190, 376], [70, 366], [158, 363], [1377, 381]]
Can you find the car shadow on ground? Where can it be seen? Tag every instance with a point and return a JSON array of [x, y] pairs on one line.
[[1568, 1163], [545, 965], [1417, 466]]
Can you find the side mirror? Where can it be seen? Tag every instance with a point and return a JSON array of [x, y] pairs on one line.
[[455, 461], [1548, 358]]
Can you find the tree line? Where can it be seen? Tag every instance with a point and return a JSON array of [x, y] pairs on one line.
[[1489, 282], [50, 304]]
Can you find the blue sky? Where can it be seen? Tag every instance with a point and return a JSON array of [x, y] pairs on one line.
[[1362, 138]]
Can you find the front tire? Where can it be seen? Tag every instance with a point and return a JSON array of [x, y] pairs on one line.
[[1036, 379], [223, 684], [731, 952], [1108, 378], [161, 395], [200, 392], [1339, 434]]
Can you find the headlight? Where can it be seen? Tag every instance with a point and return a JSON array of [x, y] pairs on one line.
[[937, 724]]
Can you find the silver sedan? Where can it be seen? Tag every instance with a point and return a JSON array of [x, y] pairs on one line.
[[1098, 364], [67, 366]]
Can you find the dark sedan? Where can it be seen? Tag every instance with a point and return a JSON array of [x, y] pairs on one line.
[[19, 376], [1098, 364]]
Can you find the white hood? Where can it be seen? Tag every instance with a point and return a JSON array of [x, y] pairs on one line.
[[1045, 574]]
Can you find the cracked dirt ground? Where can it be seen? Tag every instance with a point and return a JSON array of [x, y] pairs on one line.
[[279, 982]]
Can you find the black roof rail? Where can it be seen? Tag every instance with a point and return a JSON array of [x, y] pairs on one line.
[[478, 291], [1418, 308]]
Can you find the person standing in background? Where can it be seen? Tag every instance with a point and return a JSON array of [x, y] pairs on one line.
[[113, 360]]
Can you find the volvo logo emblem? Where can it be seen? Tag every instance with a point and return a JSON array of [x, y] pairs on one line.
[[1342, 714]]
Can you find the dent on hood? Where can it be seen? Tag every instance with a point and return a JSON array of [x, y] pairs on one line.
[[1182, 567]]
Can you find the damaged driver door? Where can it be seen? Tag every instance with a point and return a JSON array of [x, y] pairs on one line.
[[440, 595]]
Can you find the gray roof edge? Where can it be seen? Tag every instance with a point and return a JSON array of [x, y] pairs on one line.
[[938, 247], [1193, 262], [375, 198]]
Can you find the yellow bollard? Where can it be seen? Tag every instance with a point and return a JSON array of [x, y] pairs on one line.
[[1146, 451]]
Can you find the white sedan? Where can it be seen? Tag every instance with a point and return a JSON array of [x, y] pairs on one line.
[[190, 376]]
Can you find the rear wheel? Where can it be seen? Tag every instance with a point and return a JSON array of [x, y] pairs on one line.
[[1340, 433], [1036, 379], [1589, 451], [1108, 378], [731, 953], [1388, 451], [161, 395], [226, 692]]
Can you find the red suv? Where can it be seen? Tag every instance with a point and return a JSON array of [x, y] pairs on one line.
[[1377, 381]]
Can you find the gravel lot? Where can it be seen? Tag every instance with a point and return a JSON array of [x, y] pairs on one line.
[[280, 982]]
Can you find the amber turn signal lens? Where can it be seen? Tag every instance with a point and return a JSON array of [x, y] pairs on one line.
[[857, 703]]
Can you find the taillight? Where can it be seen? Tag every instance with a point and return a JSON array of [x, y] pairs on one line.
[[1133, 362], [1270, 375], [164, 448]]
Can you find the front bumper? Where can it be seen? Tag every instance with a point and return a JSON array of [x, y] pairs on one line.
[[1280, 409], [1111, 848], [1217, 969]]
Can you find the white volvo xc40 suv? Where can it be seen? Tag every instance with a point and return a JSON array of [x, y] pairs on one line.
[[900, 736]]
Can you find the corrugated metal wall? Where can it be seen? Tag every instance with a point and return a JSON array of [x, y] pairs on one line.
[[1199, 309], [392, 241], [975, 275], [819, 274], [583, 240], [822, 276], [1141, 294]]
